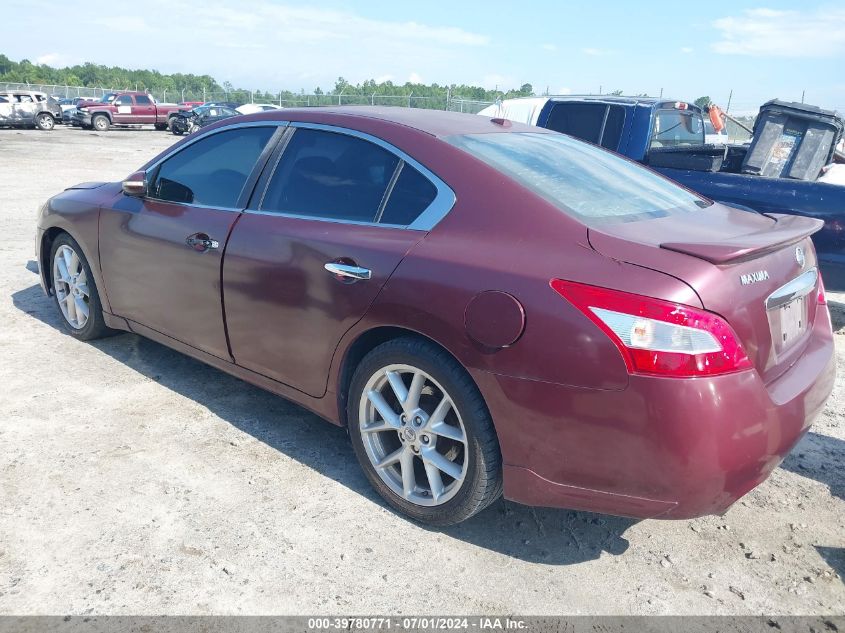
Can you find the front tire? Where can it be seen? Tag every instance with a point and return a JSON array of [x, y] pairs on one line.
[[422, 433], [74, 291], [45, 122], [100, 122]]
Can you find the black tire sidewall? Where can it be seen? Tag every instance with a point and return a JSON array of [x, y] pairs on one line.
[[466, 399]]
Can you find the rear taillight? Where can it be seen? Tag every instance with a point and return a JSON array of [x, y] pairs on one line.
[[821, 296], [659, 337]]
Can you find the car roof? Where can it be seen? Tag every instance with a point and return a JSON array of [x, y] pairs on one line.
[[434, 122]]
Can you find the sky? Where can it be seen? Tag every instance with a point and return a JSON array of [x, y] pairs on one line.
[[759, 50]]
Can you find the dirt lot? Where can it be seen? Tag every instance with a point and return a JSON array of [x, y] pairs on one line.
[[136, 480]]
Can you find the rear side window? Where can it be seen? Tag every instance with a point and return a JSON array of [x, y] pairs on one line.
[[587, 182], [613, 127], [583, 120], [330, 175], [597, 123], [143, 100], [410, 196], [213, 170]]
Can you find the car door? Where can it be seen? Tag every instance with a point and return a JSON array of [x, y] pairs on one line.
[[144, 110], [25, 107], [161, 254], [309, 256], [5, 109], [123, 109]]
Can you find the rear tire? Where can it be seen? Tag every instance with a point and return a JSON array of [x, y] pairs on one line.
[[100, 122], [75, 292], [45, 122], [434, 456]]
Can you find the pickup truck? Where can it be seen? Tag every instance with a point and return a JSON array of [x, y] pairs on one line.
[[125, 108], [641, 128]]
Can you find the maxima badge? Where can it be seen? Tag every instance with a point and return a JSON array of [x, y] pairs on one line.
[[753, 278]]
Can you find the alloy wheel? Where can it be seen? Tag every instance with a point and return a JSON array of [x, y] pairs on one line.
[[413, 435], [71, 287]]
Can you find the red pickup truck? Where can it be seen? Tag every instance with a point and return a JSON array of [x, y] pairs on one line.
[[124, 108]]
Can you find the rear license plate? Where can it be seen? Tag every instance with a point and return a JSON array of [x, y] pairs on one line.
[[792, 318]]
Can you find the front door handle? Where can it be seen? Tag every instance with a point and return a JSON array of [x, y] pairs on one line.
[[201, 242], [348, 272]]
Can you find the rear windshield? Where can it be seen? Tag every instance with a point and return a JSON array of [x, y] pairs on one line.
[[583, 180], [677, 127]]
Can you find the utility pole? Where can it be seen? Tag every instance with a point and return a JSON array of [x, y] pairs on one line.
[[661, 93], [730, 96], [802, 96]]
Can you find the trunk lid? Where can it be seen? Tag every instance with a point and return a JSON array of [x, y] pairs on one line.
[[754, 270]]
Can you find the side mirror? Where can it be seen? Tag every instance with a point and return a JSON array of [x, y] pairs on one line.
[[135, 185]]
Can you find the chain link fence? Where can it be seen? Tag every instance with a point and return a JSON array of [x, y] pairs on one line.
[[289, 100]]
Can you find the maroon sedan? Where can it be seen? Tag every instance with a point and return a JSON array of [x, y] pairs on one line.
[[488, 307]]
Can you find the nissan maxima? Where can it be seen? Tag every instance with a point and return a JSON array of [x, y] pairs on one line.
[[489, 308]]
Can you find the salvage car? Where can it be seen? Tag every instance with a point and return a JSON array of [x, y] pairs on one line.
[[196, 119], [125, 108], [669, 136], [489, 308], [26, 108]]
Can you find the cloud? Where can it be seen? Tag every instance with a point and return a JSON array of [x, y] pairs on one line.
[[563, 90], [686, 50], [383, 78], [774, 33], [596, 52], [51, 59], [414, 78], [275, 44], [549, 47]]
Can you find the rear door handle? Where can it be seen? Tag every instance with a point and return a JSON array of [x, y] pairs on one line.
[[348, 272], [201, 242]]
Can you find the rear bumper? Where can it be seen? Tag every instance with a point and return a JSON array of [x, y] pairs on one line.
[[663, 447]]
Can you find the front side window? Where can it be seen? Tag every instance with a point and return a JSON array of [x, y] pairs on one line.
[[582, 180], [677, 127], [143, 100], [330, 175], [213, 170], [123, 100]]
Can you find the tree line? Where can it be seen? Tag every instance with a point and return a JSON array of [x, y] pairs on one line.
[[101, 76]]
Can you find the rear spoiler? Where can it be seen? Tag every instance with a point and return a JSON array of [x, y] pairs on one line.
[[788, 229]]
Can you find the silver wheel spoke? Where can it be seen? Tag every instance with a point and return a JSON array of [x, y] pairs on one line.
[[63, 271], [81, 309], [391, 459], [378, 427], [409, 481], [71, 311], [435, 481], [399, 389], [446, 430], [412, 401], [431, 456], [83, 288], [384, 409], [440, 413]]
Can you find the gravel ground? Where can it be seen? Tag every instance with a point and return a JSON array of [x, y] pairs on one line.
[[138, 481]]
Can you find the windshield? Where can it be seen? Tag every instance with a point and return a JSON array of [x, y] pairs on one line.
[[677, 127], [583, 180]]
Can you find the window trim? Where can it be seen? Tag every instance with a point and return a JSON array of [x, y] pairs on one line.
[[443, 201], [151, 172]]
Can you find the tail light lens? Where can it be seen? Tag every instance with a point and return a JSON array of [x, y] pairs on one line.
[[659, 337], [821, 296]]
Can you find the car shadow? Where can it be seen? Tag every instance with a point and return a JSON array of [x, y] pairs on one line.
[[819, 457], [541, 535], [837, 314], [834, 557]]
